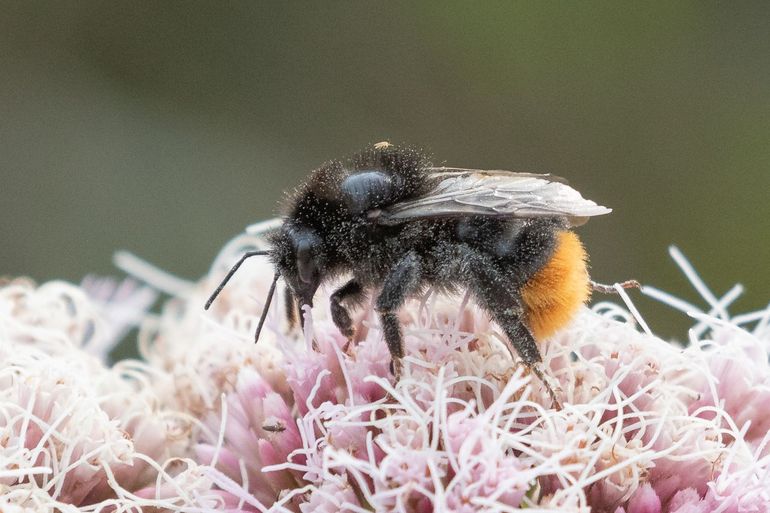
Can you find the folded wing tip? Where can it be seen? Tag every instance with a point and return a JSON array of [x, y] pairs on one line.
[[602, 210]]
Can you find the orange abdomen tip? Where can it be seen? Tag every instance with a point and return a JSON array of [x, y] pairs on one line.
[[554, 294]]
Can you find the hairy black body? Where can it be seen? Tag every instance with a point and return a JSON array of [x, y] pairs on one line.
[[336, 211], [394, 225]]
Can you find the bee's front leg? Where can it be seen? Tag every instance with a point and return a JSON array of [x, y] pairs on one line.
[[352, 291], [403, 281]]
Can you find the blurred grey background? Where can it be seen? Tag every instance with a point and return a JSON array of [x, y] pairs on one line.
[[166, 127]]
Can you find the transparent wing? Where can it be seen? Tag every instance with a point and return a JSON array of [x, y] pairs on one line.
[[472, 192]]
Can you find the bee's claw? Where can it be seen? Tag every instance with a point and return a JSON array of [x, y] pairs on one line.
[[349, 343], [555, 402]]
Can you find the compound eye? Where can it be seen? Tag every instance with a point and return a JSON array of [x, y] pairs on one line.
[[366, 190]]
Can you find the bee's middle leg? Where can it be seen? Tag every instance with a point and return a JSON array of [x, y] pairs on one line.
[[352, 291], [403, 280]]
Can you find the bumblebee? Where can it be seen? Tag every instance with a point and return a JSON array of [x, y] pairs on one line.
[[394, 225]]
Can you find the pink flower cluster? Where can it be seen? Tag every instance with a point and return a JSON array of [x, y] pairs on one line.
[[74, 434], [312, 422], [315, 422]]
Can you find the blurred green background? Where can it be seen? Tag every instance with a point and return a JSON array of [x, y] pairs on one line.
[[166, 127]]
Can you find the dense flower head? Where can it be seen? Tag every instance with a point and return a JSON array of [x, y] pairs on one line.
[[312, 422], [645, 422], [74, 432]]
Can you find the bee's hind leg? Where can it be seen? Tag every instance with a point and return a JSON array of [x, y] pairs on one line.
[[352, 291], [493, 291], [522, 340], [403, 280], [519, 336]]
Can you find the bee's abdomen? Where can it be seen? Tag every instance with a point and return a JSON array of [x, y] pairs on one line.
[[555, 292]]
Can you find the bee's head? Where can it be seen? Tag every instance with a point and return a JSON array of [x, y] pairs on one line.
[[299, 256]]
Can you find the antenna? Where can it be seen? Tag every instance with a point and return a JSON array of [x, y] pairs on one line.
[[246, 255], [267, 307]]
